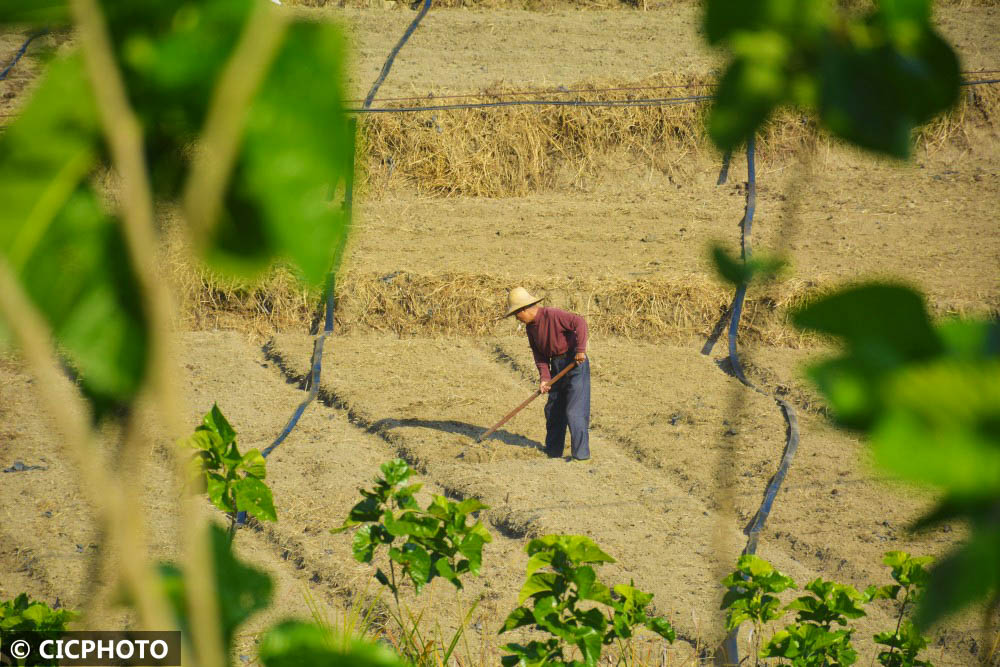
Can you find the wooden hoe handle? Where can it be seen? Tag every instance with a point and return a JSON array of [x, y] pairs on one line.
[[528, 400]]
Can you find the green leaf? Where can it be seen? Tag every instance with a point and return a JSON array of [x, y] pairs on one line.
[[216, 422], [883, 328], [369, 509], [590, 640], [970, 340], [443, 569], [395, 471], [242, 590], [747, 94], [632, 597], [254, 498], [976, 510], [966, 575], [472, 548], [518, 618], [171, 56], [539, 560], [200, 440], [470, 505], [362, 546], [407, 491], [218, 492], [36, 613], [662, 627], [66, 250], [578, 548], [535, 654], [738, 272], [584, 578], [296, 643], [886, 324], [876, 89], [723, 18], [409, 523], [415, 561], [858, 100], [538, 583], [35, 12], [547, 613], [940, 427], [253, 463], [291, 156], [599, 593], [913, 11], [887, 592]]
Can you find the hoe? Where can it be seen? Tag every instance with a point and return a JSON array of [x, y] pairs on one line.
[[523, 405]]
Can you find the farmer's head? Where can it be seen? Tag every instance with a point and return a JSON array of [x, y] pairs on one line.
[[522, 305]]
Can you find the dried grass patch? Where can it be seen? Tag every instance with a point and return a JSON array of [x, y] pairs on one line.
[[468, 304], [471, 304], [512, 151]]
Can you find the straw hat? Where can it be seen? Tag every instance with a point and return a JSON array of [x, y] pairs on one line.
[[519, 298]]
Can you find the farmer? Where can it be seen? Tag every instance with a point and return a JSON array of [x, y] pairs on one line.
[[557, 339]]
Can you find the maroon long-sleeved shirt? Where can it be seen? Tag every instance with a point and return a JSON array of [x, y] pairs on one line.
[[555, 332]]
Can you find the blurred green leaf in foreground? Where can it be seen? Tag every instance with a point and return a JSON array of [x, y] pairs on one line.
[[929, 397], [60, 225], [871, 79]]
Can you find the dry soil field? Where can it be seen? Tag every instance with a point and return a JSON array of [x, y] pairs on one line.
[[419, 366]]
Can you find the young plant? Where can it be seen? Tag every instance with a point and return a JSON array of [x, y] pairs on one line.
[[437, 542], [234, 482], [22, 614], [812, 641], [564, 605], [751, 595], [907, 641]]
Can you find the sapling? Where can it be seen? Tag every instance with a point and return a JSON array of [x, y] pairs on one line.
[[423, 544], [564, 605], [234, 482], [752, 596], [906, 642]]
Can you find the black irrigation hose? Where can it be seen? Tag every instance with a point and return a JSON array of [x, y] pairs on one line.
[[317, 357], [20, 52], [730, 646], [724, 172], [645, 102], [348, 205], [746, 251], [561, 90], [392, 54]]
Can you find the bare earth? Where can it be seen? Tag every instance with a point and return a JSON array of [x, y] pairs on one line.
[[682, 451]]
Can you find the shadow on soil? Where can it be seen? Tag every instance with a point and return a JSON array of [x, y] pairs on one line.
[[460, 428]]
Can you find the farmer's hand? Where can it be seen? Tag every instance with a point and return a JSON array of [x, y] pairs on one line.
[[580, 357], [543, 387]]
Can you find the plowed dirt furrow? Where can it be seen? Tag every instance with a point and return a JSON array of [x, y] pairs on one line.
[[665, 537], [677, 411], [666, 531]]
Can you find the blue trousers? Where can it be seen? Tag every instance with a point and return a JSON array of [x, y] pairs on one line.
[[568, 406]]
